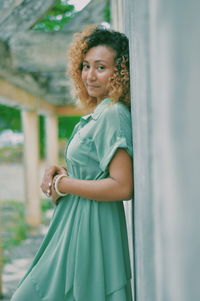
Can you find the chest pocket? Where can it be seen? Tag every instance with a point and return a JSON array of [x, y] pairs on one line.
[[79, 150]]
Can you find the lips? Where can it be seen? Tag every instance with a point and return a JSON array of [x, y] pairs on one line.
[[92, 86]]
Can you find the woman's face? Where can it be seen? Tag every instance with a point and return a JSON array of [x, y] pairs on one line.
[[98, 67]]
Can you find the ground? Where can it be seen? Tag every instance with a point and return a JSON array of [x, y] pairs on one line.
[[22, 256], [12, 181]]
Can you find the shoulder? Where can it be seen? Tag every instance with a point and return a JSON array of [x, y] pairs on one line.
[[116, 115], [114, 119], [116, 109]]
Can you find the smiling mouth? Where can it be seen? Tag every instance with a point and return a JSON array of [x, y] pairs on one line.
[[92, 86]]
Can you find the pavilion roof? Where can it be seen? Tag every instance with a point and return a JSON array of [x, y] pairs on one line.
[[35, 61]]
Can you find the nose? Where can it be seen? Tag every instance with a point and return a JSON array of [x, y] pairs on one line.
[[91, 75]]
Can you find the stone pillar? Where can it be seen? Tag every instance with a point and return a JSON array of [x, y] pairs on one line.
[[117, 7], [51, 127], [31, 167], [119, 23], [164, 47]]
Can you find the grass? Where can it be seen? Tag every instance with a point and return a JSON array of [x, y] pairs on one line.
[[14, 228], [46, 204], [13, 225], [14, 153], [11, 154]]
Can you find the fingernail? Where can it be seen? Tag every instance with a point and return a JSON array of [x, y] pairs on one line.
[[49, 184]]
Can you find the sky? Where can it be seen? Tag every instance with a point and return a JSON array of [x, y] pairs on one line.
[[79, 4]]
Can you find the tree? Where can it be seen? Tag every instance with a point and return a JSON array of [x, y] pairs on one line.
[[55, 18]]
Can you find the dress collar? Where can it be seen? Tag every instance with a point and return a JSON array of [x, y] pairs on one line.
[[100, 107], [98, 110]]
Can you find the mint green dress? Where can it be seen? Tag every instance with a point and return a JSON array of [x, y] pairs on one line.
[[85, 254]]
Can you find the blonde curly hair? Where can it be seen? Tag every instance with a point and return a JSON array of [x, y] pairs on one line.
[[119, 83]]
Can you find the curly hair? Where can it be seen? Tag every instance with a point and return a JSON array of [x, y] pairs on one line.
[[119, 83]]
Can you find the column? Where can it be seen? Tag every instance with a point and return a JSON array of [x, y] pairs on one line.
[[31, 167], [51, 126], [117, 9], [119, 23]]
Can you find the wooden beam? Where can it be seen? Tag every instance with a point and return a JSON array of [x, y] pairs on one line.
[[24, 99], [70, 111], [13, 95]]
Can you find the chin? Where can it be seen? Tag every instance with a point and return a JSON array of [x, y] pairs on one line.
[[93, 94]]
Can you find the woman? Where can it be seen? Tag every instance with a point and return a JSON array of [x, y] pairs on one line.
[[84, 256]]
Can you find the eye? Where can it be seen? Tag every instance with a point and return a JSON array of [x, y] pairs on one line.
[[101, 67], [85, 66]]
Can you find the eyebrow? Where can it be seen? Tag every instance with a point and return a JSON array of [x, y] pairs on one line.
[[97, 61]]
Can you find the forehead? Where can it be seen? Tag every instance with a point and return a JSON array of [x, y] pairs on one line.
[[100, 53]]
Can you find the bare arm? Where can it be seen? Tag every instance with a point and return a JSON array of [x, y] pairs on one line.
[[119, 186]]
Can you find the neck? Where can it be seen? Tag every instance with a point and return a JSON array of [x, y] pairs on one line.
[[99, 99]]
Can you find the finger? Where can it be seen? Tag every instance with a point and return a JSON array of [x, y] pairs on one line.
[[62, 169], [43, 188], [48, 193], [46, 187], [47, 182], [49, 173]]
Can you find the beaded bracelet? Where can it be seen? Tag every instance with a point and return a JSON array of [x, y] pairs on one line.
[[56, 183]]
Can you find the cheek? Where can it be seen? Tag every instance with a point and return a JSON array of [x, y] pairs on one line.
[[107, 77], [110, 73], [83, 75]]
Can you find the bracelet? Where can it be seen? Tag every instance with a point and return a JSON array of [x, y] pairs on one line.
[[56, 183]]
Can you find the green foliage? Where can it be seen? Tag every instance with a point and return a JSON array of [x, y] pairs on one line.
[[13, 225], [10, 118], [41, 136], [65, 128], [46, 204], [54, 19], [66, 125], [107, 15], [11, 154], [59, 14]]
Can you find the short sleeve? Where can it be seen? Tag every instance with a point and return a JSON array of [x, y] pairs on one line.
[[113, 132]]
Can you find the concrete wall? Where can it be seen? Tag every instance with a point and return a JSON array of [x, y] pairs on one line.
[[164, 48], [117, 23]]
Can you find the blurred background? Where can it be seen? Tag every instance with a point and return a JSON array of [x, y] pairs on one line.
[[37, 116]]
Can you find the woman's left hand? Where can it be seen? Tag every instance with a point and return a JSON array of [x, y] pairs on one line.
[[54, 196], [49, 173]]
